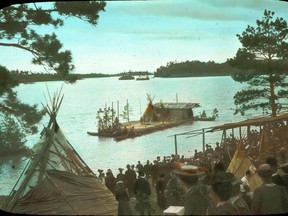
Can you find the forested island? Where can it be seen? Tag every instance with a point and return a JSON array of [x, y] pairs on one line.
[[30, 77], [195, 69]]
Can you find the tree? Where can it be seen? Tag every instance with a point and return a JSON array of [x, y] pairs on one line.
[[263, 60], [18, 29]]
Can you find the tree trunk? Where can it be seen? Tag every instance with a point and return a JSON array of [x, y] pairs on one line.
[[272, 96], [272, 91]]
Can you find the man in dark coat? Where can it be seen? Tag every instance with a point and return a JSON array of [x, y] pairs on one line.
[[195, 201], [110, 181], [160, 189], [129, 180], [154, 172], [139, 166], [219, 190], [142, 192], [120, 176], [147, 169], [174, 193], [281, 177], [269, 198]]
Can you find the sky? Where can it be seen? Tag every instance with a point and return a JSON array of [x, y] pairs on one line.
[[144, 35]]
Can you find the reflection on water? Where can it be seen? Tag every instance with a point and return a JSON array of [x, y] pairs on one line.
[[11, 168]]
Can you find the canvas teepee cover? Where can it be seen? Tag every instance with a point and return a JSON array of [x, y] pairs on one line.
[[57, 181], [239, 164], [149, 114]]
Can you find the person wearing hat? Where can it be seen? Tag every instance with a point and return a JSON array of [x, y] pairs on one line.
[[142, 192], [160, 191], [219, 190], [195, 201], [122, 197], [120, 176], [139, 166], [101, 175], [147, 169], [129, 180], [110, 181], [174, 193], [154, 172], [269, 198], [281, 178]]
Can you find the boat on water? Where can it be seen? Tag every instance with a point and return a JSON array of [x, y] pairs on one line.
[[127, 77], [142, 78], [204, 117], [119, 133], [199, 118]]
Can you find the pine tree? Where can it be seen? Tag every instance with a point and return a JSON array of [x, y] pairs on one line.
[[263, 60]]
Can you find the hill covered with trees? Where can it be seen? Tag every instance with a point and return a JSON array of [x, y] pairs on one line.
[[195, 68]]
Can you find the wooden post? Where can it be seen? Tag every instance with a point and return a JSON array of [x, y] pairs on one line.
[[248, 132], [175, 142], [274, 144], [112, 116], [240, 133], [203, 139], [225, 138], [117, 109], [127, 111]]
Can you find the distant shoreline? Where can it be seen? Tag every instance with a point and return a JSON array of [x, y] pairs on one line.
[[74, 77]]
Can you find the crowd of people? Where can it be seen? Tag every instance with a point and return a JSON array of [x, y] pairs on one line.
[[210, 190], [201, 184]]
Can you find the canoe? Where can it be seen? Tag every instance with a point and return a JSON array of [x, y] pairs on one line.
[[199, 118], [92, 133]]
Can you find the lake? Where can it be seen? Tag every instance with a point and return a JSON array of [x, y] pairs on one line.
[[77, 115]]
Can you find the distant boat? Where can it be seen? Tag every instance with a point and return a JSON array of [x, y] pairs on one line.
[[143, 78], [126, 77], [199, 118]]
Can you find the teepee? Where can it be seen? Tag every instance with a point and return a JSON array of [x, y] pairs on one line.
[[149, 114], [57, 181], [239, 164]]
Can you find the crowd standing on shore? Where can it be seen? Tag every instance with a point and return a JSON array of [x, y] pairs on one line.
[[201, 183], [201, 190]]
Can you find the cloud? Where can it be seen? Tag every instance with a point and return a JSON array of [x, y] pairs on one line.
[[208, 10]]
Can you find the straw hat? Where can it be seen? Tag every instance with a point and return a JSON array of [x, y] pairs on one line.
[[190, 170]]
